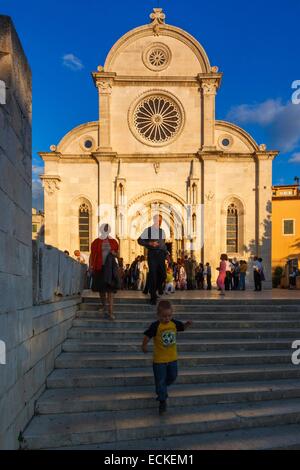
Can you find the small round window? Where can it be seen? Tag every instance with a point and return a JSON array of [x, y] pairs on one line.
[[226, 142], [88, 144]]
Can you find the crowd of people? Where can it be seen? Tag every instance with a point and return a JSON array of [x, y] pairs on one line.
[[184, 274], [159, 274], [232, 274], [187, 274]]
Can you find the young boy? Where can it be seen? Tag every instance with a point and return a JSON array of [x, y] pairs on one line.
[[163, 333], [169, 282]]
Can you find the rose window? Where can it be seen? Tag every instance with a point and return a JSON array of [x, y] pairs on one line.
[[157, 58], [157, 119]]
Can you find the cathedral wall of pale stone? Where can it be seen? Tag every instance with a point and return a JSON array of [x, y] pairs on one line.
[[183, 61], [157, 141], [122, 139]]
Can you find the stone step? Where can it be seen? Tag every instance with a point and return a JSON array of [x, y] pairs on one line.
[[233, 298], [100, 377], [225, 307], [193, 333], [134, 359], [200, 315], [204, 324], [75, 345], [286, 437], [59, 430], [82, 400]]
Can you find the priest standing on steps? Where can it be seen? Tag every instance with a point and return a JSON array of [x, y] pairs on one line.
[[153, 238]]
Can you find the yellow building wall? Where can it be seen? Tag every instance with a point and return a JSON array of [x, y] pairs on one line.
[[285, 247]]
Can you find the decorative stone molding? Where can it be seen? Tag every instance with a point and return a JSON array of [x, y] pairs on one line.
[[209, 196], [156, 191], [50, 183], [237, 131], [164, 30], [156, 166], [157, 18], [237, 200], [266, 155], [210, 87], [105, 88], [262, 147]]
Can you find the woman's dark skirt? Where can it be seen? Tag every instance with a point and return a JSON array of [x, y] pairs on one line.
[[99, 284]]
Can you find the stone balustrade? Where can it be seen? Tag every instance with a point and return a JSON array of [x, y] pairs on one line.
[[54, 274]]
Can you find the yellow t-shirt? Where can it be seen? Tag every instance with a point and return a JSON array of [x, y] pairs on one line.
[[164, 338]]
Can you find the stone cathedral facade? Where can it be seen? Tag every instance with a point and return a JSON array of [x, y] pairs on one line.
[[157, 146]]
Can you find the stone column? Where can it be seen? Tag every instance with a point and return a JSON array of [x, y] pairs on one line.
[[106, 206], [51, 184], [104, 155], [209, 86], [210, 216], [121, 211], [264, 211], [104, 89], [104, 81]]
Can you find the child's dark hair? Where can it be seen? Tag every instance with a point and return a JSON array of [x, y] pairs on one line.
[[164, 305]]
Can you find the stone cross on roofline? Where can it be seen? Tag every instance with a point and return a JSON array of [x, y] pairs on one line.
[[157, 18]]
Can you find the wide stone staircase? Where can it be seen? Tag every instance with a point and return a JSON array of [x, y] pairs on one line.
[[237, 387]]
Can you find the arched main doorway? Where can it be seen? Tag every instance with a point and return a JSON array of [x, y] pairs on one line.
[[172, 225]]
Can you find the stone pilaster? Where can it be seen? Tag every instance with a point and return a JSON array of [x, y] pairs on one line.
[[264, 211], [51, 184], [210, 216], [209, 85], [106, 204], [104, 84]]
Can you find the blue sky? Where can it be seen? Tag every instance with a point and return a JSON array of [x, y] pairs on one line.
[[255, 44]]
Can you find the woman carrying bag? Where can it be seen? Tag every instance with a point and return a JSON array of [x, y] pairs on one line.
[[104, 266]]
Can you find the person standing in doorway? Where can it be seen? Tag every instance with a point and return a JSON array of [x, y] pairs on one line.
[[153, 238]]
